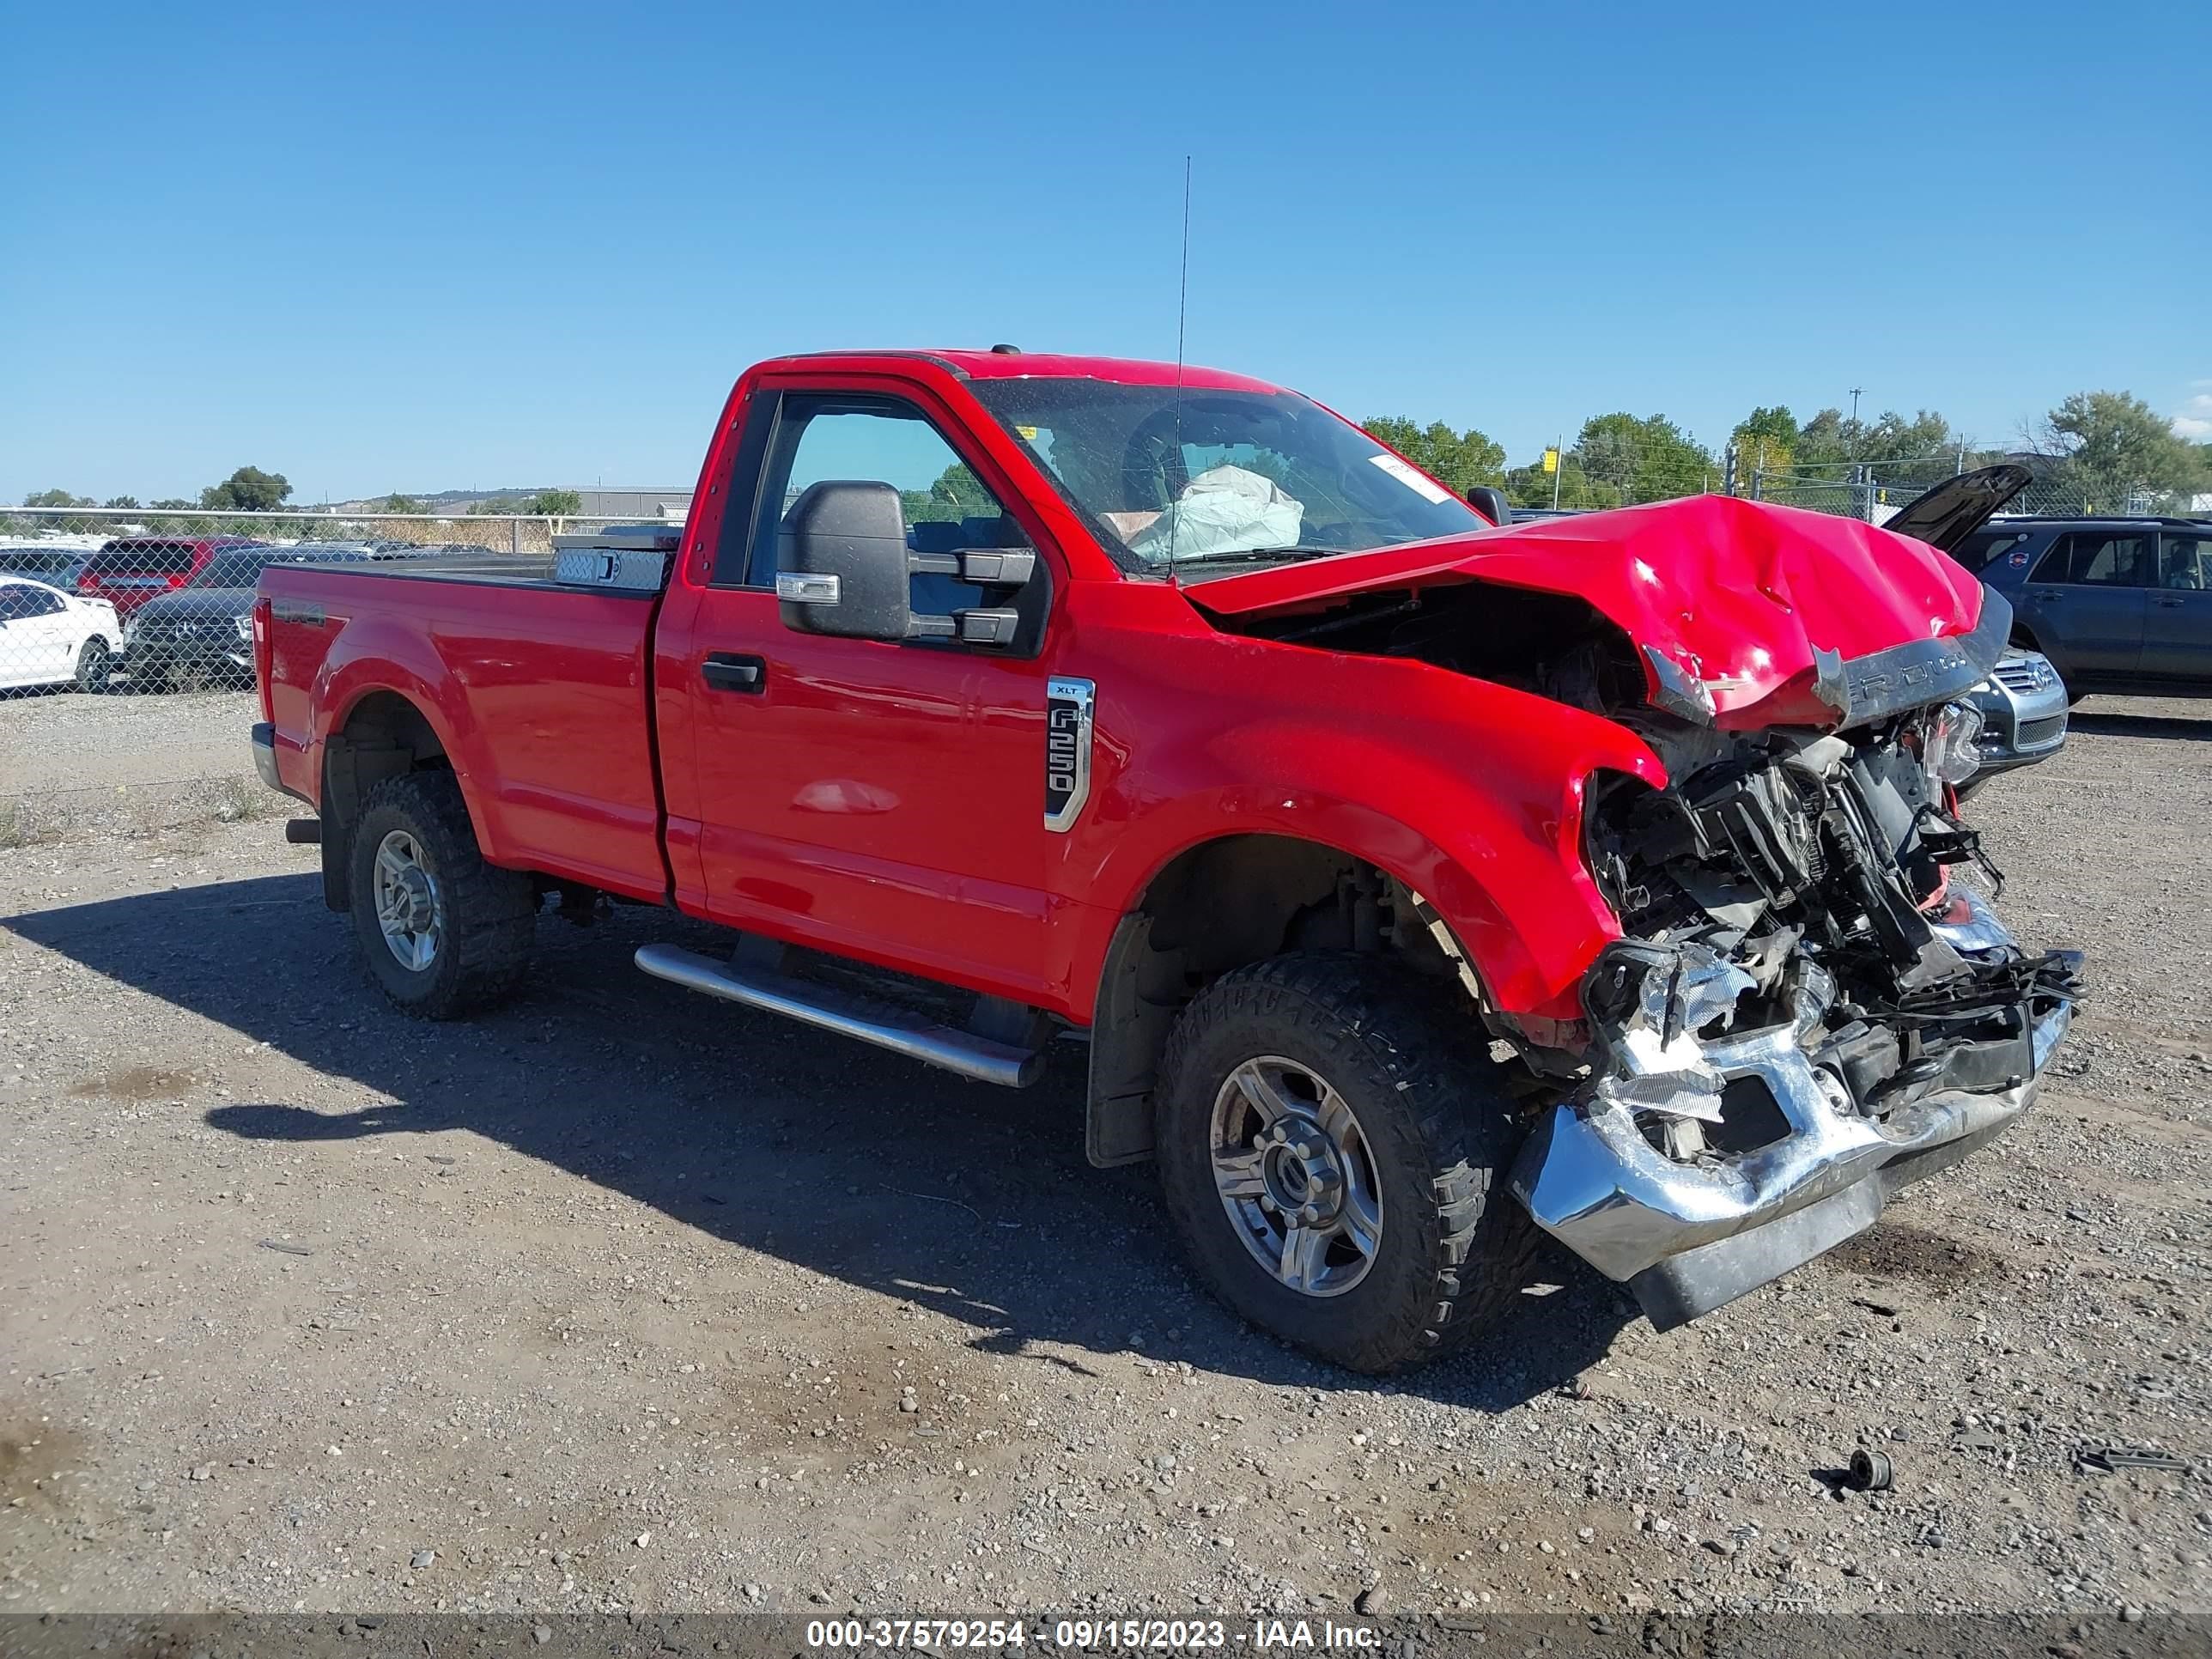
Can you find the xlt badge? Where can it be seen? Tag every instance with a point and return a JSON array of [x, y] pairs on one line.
[[1066, 752]]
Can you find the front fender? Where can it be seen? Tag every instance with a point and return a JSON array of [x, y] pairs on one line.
[[1470, 793]]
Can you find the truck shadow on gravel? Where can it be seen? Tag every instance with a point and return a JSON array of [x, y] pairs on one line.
[[2120, 725], [974, 1202]]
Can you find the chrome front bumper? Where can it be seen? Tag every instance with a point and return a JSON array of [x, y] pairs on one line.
[[1688, 1236]]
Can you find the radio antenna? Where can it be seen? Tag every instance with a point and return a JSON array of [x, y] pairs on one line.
[[1182, 308]]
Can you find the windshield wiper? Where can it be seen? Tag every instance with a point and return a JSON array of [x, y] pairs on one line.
[[1252, 554]]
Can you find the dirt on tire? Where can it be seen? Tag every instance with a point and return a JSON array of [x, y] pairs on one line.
[[1432, 1108]]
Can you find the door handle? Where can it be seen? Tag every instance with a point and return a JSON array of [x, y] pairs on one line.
[[2170, 603], [724, 671]]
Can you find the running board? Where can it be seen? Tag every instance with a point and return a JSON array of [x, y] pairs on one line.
[[885, 1025]]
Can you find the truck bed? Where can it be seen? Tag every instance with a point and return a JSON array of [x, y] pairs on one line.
[[538, 692]]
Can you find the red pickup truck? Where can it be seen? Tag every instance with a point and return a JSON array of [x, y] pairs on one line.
[[1411, 877]]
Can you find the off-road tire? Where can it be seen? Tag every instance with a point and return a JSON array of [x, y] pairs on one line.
[[1409, 1057], [489, 913], [96, 665]]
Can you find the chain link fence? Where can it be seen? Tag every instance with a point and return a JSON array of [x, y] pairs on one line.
[[127, 650], [1873, 490]]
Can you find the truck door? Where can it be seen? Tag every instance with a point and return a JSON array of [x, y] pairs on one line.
[[878, 801], [2087, 599], [2177, 627]]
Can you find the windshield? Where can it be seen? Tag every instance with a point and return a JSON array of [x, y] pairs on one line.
[[1221, 480]]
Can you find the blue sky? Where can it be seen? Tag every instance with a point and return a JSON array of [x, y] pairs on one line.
[[417, 246]]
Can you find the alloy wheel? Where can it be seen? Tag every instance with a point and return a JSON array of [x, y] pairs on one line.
[[1296, 1175]]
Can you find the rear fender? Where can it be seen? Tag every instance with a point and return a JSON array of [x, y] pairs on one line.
[[372, 660]]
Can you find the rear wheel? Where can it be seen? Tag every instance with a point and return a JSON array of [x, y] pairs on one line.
[[96, 665], [443, 933], [1333, 1142]]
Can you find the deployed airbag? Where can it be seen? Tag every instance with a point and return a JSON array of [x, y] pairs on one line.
[[1224, 509]]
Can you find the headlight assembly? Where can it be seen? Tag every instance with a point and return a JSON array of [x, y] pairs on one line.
[[1953, 753]]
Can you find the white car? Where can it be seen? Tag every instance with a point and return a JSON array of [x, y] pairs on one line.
[[49, 636]]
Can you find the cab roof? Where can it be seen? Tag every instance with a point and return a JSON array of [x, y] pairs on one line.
[[986, 365]]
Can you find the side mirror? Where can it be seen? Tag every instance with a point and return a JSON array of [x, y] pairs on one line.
[[843, 568], [841, 565], [1490, 500]]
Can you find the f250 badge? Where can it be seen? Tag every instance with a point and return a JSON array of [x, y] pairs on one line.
[[1066, 752]]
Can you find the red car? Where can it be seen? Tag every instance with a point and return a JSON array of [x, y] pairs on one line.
[[1411, 880], [132, 569]]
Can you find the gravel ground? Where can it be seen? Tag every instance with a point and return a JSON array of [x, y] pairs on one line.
[[623, 1300], [125, 763]]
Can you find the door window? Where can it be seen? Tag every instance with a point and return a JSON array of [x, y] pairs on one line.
[[1985, 547], [2186, 561], [19, 601], [879, 441], [2097, 559]]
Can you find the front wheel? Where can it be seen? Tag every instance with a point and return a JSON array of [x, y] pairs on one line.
[[443, 933], [96, 665], [1333, 1140]]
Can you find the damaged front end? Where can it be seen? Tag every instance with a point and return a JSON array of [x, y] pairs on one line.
[[1808, 1010]]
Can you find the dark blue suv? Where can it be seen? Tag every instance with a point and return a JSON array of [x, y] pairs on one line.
[[2117, 605]]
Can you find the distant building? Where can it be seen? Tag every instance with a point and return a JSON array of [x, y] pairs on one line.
[[668, 504]]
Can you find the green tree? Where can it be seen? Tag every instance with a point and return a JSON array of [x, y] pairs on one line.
[[1766, 442], [498, 505], [1531, 486], [1831, 439], [406, 504], [173, 503], [1460, 459], [956, 493], [57, 498], [555, 504], [2113, 449], [125, 502], [249, 490], [1627, 459]]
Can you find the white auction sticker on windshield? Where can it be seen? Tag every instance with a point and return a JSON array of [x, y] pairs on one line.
[[1412, 477]]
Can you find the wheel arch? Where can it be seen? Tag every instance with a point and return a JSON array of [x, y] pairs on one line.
[[1222, 903], [2024, 636], [381, 734]]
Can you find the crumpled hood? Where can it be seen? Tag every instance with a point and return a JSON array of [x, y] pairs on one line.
[[1746, 614]]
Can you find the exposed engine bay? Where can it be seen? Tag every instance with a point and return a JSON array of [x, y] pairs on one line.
[[1810, 864], [1776, 855], [1809, 1006]]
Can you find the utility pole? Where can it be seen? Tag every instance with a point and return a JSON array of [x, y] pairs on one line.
[[1559, 467], [1861, 497]]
